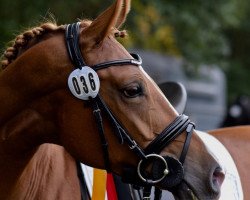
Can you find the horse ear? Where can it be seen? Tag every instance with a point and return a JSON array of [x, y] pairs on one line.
[[114, 16], [125, 10]]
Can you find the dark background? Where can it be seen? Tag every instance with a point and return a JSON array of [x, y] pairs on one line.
[[201, 32]]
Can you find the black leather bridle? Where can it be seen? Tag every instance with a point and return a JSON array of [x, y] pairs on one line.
[[151, 153]]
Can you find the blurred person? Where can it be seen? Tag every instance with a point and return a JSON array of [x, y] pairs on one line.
[[238, 112]]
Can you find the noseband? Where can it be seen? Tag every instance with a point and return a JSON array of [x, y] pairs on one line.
[[148, 156]]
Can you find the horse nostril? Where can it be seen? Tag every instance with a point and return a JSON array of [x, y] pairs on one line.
[[218, 178]]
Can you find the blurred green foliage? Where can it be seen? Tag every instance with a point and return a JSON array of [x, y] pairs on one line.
[[208, 32]]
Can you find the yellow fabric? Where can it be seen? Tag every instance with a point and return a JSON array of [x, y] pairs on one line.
[[99, 184]]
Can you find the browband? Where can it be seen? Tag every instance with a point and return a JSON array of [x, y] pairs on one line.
[[72, 42]]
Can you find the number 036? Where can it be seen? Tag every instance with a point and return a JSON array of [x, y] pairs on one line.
[[84, 84]]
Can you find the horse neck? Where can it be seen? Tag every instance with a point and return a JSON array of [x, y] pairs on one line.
[[29, 89], [20, 137], [26, 114], [35, 73]]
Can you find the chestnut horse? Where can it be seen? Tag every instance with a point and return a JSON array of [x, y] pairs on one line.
[[121, 128], [237, 140]]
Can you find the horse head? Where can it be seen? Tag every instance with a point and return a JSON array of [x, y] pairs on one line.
[[120, 126]]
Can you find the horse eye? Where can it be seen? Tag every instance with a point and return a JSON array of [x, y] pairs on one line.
[[133, 91]]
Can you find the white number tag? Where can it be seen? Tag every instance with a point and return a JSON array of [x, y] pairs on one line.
[[84, 83]]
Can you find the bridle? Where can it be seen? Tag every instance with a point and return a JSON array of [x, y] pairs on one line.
[[164, 166]]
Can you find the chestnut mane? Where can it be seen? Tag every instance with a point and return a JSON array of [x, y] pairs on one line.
[[23, 41], [30, 37]]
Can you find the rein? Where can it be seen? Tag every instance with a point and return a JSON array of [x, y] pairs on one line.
[[166, 170]]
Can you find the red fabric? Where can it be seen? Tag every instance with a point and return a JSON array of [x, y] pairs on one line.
[[110, 186]]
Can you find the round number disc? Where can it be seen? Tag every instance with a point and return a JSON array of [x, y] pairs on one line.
[[84, 83]]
